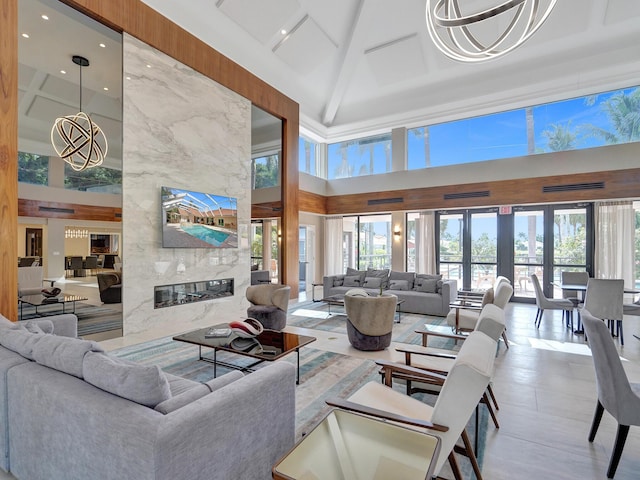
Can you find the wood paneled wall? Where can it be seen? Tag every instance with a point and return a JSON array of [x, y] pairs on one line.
[[563, 189], [37, 208], [9, 158]]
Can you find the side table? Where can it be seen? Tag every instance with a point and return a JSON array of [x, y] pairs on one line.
[[313, 291]]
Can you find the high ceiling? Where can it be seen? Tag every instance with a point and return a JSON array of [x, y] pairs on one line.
[[355, 67], [358, 66]]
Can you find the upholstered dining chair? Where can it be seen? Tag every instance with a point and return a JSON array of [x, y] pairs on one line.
[[615, 394], [269, 304], [573, 278], [463, 318], [369, 319], [544, 303], [604, 300], [461, 390]]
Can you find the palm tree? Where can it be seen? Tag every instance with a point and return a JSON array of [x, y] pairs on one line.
[[423, 133], [560, 137], [623, 111]]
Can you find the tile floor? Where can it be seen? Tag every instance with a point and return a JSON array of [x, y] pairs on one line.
[[545, 386]]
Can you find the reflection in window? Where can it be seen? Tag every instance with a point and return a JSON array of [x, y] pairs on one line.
[[307, 156], [33, 168], [266, 171], [354, 158], [97, 180], [586, 122]]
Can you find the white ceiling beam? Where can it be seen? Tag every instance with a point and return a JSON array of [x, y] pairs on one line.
[[349, 57]]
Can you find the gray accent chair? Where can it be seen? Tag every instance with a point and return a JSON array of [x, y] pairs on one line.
[[270, 303], [544, 303], [369, 319], [615, 394]]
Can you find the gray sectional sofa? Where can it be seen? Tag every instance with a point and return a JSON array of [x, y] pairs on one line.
[[422, 293], [69, 410]]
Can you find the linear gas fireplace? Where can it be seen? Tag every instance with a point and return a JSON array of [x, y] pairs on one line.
[[190, 292]]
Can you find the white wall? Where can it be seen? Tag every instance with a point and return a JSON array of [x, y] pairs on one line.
[[181, 130]]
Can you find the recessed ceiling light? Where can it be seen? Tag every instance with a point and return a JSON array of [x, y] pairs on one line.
[[102, 45], [25, 35], [106, 89], [283, 31], [64, 72], [128, 78], [45, 17], [148, 66]]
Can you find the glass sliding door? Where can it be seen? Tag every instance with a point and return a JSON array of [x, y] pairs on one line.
[[528, 250], [450, 246], [367, 241], [483, 227], [572, 245]]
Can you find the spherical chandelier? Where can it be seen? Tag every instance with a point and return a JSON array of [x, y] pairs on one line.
[[467, 37]]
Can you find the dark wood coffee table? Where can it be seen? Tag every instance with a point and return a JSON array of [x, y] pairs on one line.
[[42, 301], [274, 345]]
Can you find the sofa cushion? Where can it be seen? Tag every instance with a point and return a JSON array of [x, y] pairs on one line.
[[177, 385], [408, 276], [399, 285], [146, 385], [427, 285], [361, 273], [5, 322], [41, 326], [338, 280], [353, 281], [19, 340], [382, 274], [185, 398], [63, 353], [372, 282]]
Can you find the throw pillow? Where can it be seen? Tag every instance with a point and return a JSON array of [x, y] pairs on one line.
[[146, 385], [40, 326], [63, 353], [185, 398], [382, 274], [487, 297], [352, 271], [398, 285], [352, 281], [5, 322], [372, 282], [19, 340], [408, 276], [338, 280], [428, 276], [427, 286]]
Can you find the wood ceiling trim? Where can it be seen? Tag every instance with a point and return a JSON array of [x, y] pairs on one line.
[[72, 211]]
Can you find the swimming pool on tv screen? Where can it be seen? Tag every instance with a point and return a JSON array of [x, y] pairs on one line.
[[214, 237]]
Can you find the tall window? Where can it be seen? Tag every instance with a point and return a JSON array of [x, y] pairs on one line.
[[607, 118], [266, 171], [33, 168], [354, 158], [97, 179], [411, 240], [307, 156], [367, 241]]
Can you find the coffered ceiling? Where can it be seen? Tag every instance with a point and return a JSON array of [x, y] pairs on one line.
[[358, 66]]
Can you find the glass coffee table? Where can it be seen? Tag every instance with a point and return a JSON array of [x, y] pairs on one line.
[[42, 301], [270, 346]]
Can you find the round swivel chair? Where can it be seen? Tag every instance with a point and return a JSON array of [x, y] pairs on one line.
[[270, 302], [369, 320]]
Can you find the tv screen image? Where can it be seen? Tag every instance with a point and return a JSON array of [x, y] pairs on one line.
[[198, 220]]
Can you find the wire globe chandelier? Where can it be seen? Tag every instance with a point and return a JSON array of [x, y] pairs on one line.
[[75, 138], [459, 35]]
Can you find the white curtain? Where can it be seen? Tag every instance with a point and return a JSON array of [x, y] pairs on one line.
[[615, 224], [426, 243], [333, 246]]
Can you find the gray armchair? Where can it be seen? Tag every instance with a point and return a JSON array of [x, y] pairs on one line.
[[270, 303], [615, 393], [369, 319]]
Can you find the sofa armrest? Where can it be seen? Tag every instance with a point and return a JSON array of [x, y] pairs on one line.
[[449, 292], [327, 285], [65, 325]]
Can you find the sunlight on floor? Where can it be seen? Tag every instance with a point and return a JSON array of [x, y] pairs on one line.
[[302, 312], [553, 345]]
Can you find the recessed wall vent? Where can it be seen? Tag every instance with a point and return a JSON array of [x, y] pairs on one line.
[[456, 196], [118, 215], [381, 201], [56, 210], [572, 187]]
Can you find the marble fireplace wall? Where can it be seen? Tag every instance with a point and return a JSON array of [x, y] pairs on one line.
[[181, 130]]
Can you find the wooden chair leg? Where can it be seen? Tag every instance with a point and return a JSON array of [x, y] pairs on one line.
[[621, 438], [597, 416], [493, 397], [504, 337], [485, 400], [454, 466], [469, 453]]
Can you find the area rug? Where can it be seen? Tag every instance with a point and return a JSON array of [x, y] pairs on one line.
[[322, 375], [316, 316], [91, 319]]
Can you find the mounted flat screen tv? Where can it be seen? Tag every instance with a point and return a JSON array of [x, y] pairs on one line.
[[198, 220]]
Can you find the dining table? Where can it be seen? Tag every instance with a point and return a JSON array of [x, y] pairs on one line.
[[581, 289]]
